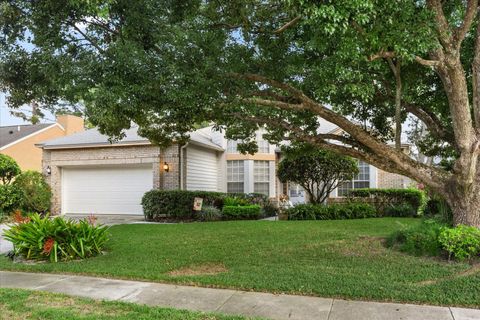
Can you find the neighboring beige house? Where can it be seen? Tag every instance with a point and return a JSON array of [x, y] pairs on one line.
[[19, 141], [89, 174]]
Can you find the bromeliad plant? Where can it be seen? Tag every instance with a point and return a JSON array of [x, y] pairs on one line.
[[57, 239]]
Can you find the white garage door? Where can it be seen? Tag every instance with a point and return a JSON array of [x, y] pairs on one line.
[[105, 190]]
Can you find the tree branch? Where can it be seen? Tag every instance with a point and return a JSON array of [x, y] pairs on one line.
[[287, 25], [443, 29], [90, 40], [390, 55], [470, 13], [431, 121], [320, 140], [275, 104], [396, 69], [403, 163], [425, 62]]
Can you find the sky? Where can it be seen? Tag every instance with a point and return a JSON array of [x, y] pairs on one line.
[[6, 119]]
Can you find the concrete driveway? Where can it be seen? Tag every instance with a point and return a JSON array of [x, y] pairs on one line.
[[5, 245]]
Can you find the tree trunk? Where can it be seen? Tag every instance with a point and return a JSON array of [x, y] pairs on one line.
[[465, 204], [396, 69]]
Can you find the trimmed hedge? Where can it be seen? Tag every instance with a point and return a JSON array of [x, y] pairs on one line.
[[178, 204], [400, 210], [241, 212], [383, 199], [331, 212]]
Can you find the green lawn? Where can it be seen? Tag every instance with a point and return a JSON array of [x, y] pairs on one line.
[[23, 304], [324, 258]]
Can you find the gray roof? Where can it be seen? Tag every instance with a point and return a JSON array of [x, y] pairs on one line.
[[93, 138], [9, 134]]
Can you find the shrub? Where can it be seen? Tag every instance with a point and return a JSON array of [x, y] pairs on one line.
[[11, 198], [331, 212], [252, 198], [231, 201], [241, 212], [438, 207], [383, 198], [461, 242], [419, 240], [270, 209], [9, 169], [210, 213], [36, 191], [178, 204], [400, 210], [56, 239]]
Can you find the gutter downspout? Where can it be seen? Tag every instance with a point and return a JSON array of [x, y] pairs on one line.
[[182, 161]]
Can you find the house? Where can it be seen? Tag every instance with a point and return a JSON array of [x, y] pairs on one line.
[[19, 141], [91, 175]]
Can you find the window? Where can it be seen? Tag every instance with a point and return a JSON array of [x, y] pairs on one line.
[[361, 180], [232, 146], [261, 177], [263, 146], [235, 176], [295, 190]]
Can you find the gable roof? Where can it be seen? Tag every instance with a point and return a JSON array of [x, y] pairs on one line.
[[13, 134], [93, 138]]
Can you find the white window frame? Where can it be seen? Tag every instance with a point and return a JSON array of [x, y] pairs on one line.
[[261, 176], [263, 146], [235, 174], [232, 146], [362, 177]]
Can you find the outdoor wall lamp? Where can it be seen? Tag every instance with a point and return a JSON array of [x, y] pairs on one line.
[[166, 167], [49, 170]]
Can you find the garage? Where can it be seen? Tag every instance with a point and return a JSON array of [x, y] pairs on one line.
[[116, 189], [91, 174]]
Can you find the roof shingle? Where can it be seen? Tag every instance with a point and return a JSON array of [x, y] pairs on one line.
[[9, 134], [93, 137]]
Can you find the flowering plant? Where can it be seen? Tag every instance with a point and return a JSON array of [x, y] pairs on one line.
[[56, 239]]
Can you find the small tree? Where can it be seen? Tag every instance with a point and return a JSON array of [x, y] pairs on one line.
[[8, 169], [36, 191], [318, 171]]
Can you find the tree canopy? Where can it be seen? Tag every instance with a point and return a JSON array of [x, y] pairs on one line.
[[243, 64], [9, 169], [318, 171]]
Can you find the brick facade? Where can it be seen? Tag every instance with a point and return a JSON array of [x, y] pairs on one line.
[[56, 159], [392, 180]]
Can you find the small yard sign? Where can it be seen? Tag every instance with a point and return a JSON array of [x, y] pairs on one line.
[[197, 204]]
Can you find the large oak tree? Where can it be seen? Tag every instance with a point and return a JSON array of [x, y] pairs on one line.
[[364, 65]]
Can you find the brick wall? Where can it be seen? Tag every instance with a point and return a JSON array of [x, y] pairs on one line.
[[392, 180], [145, 154]]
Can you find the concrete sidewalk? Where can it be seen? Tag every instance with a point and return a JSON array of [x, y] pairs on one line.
[[229, 301]]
